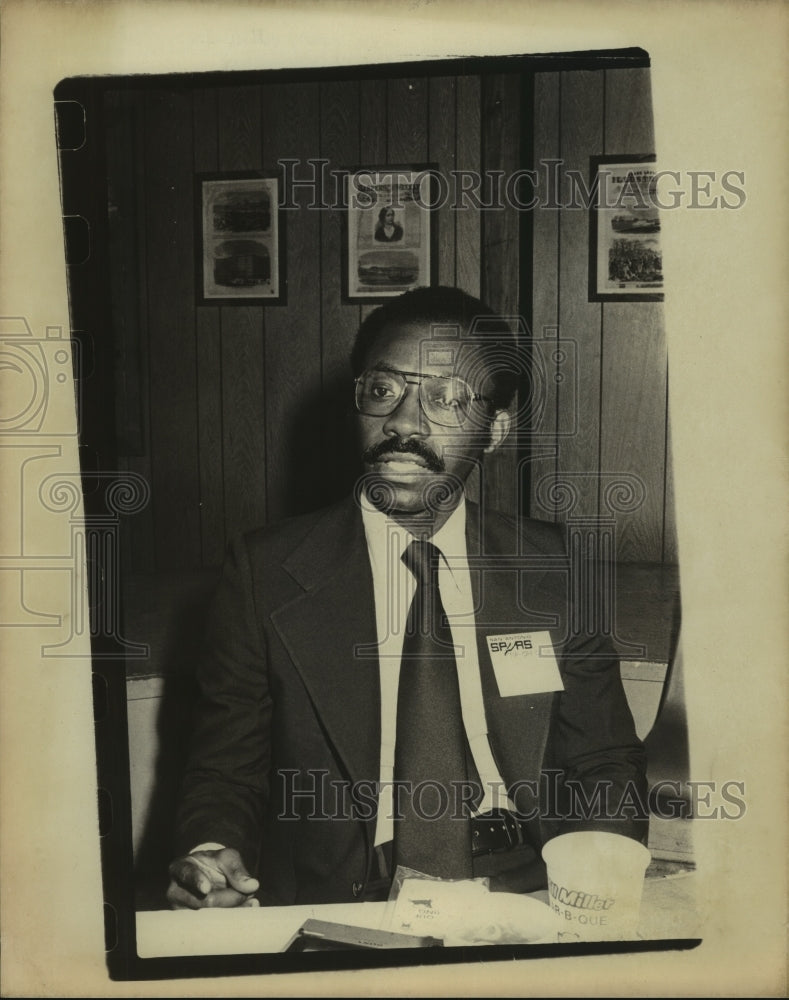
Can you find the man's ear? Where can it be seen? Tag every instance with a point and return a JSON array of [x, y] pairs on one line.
[[499, 429]]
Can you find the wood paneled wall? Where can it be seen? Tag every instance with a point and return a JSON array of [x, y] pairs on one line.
[[619, 406], [239, 415]]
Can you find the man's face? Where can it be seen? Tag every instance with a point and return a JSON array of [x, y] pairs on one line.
[[415, 461]]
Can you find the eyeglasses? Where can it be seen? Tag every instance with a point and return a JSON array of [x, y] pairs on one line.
[[445, 399]]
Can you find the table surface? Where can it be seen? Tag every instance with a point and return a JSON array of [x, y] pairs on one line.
[[668, 910]]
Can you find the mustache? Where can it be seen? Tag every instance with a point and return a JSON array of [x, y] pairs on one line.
[[409, 446]]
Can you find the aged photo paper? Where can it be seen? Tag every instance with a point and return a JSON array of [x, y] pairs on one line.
[[719, 86]]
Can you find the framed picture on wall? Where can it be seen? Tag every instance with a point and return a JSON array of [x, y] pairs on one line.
[[625, 257], [239, 241], [390, 231]]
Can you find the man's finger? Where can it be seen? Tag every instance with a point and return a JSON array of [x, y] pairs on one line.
[[180, 899], [224, 898], [239, 878], [190, 875]]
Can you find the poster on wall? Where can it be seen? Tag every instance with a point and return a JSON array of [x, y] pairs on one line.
[[389, 232], [239, 248], [625, 260]]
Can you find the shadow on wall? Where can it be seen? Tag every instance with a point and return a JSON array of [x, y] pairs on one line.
[[168, 612], [322, 457]]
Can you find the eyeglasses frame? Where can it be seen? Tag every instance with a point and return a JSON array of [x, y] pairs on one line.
[[420, 376]]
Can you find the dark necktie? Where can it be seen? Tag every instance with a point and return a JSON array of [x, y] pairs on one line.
[[433, 836]]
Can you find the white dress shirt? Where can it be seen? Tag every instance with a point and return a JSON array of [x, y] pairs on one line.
[[394, 587]]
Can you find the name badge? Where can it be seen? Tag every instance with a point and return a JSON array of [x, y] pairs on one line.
[[524, 663]]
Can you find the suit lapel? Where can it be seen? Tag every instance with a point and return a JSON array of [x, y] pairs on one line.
[[330, 634]]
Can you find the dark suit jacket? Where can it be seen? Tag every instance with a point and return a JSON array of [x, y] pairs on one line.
[[290, 700]]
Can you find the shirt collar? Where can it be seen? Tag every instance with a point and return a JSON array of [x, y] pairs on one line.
[[384, 534]]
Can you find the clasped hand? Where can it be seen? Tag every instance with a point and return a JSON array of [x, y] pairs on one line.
[[210, 878]]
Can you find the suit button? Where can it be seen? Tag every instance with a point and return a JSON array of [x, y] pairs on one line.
[[356, 888]]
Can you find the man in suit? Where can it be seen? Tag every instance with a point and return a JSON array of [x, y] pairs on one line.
[[401, 679]]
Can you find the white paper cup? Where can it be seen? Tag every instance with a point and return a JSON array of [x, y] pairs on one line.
[[595, 881]]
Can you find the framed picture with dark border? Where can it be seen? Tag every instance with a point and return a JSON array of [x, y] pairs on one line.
[[240, 257], [625, 256], [390, 231]]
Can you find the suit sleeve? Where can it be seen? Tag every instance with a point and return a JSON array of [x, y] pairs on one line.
[[226, 781], [600, 778]]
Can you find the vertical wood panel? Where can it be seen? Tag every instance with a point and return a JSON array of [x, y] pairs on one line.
[[441, 152], [127, 248], [468, 225], [581, 137], [339, 143], [209, 362], [501, 116], [374, 133], [373, 123], [629, 127], [239, 139], [290, 126], [340, 113], [206, 130], [407, 120], [543, 450], [171, 319], [633, 413], [501, 133], [243, 423], [210, 434], [633, 420], [144, 557]]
